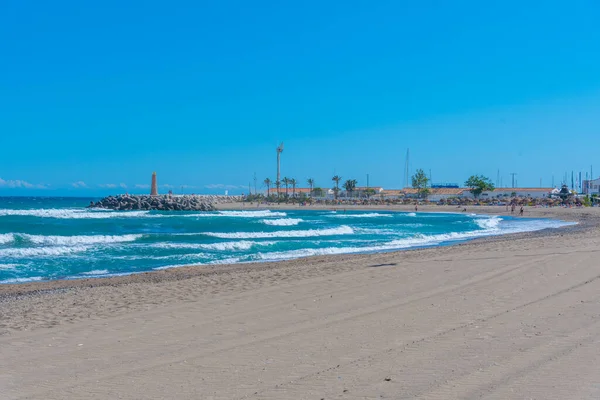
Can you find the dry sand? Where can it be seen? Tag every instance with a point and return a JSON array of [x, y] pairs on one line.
[[514, 317]]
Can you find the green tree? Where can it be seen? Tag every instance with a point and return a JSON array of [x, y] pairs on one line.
[[293, 182], [336, 188], [278, 186], [267, 183], [286, 183], [370, 192], [318, 192], [479, 184], [311, 184], [349, 186], [420, 182]]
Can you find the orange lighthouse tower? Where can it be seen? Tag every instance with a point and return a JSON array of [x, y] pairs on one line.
[[154, 187]]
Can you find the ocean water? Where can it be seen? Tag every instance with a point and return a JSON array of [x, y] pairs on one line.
[[57, 238]]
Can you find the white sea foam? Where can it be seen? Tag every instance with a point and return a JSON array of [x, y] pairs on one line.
[[492, 223], [79, 240], [411, 214], [223, 246], [42, 251], [6, 267], [75, 213], [252, 214], [22, 280], [363, 215], [341, 230], [232, 260], [6, 238], [175, 266], [416, 241], [96, 272], [282, 221]]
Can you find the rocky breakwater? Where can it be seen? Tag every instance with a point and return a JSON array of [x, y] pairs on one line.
[[159, 203]]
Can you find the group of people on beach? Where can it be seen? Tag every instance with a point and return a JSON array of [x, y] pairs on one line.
[[513, 207]]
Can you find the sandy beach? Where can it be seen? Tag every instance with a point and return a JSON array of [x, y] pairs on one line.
[[509, 317]]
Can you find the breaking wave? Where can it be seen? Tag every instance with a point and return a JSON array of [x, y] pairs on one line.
[[281, 222], [224, 246], [252, 214], [42, 251], [342, 230], [492, 223], [73, 213], [78, 240], [6, 238], [364, 215]]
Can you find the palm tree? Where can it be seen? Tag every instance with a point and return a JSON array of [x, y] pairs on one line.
[[311, 184], [278, 186], [337, 180], [286, 183], [293, 183], [268, 184], [350, 185]]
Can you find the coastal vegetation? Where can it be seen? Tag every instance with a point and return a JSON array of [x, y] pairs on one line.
[[420, 182], [336, 188], [479, 184], [350, 186]]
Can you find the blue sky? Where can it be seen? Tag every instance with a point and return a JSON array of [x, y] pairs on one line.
[[94, 96]]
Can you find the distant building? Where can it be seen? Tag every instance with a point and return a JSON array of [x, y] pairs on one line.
[[436, 194], [499, 193], [591, 186]]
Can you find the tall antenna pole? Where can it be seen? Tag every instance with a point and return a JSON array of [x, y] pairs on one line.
[[255, 183], [513, 178], [498, 178], [572, 181], [406, 168]]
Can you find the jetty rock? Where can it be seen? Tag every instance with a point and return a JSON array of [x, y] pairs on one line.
[[159, 203]]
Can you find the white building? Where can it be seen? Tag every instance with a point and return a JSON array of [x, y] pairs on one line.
[[500, 193], [591, 186]]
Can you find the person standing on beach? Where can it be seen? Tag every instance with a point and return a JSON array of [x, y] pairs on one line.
[[521, 211]]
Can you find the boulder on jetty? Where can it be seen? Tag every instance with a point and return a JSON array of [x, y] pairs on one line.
[[159, 203]]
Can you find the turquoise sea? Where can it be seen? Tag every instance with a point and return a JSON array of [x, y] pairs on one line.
[[58, 238]]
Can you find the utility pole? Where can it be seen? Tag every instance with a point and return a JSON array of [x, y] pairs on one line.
[[513, 178], [406, 168], [572, 181], [255, 183]]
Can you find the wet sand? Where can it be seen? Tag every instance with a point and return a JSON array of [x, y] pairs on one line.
[[509, 317]]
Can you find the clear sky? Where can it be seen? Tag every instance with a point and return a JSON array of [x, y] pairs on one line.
[[94, 96]]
